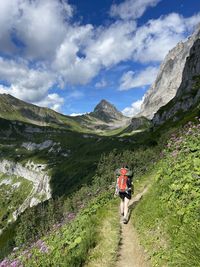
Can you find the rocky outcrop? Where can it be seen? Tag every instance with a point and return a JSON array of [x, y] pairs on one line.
[[139, 123], [188, 94], [104, 117], [169, 77], [36, 174], [107, 112]]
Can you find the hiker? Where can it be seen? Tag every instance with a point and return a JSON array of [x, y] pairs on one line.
[[124, 189]]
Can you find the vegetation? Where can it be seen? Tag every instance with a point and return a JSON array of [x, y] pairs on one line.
[[168, 218], [69, 228], [13, 191]]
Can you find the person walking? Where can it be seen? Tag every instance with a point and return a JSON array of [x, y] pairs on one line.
[[124, 189]]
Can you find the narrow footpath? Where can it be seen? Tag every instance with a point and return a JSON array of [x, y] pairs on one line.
[[131, 253]]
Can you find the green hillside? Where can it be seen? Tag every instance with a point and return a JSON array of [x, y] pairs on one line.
[[68, 227]]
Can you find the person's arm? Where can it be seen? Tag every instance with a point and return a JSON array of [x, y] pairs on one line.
[[129, 184], [129, 173], [116, 188]]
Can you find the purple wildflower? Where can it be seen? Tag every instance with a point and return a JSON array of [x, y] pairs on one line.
[[71, 216]]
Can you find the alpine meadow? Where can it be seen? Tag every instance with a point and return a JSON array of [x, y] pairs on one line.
[[86, 89]]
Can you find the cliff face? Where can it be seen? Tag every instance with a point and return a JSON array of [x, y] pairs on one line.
[[34, 173], [106, 112], [188, 94], [169, 78]]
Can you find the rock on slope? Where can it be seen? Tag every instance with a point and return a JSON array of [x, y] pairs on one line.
[[188, 94], [169, 77]]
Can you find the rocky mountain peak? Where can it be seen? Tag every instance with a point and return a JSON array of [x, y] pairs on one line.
[[107, 112], [169, 77]]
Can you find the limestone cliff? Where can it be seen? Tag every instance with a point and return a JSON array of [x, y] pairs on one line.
[[188, 94], [169, 77]]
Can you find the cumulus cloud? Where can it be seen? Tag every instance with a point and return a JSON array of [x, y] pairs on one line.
[[112, 44], [38, 25], [133, 109], [132, 80], [131, 9], [8, 12], [53, 101], [23, 82], [153, 40], [101, 84], [46, 48]]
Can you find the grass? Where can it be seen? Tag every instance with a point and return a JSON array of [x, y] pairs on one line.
[[168, 217], [108, 237], [69, 244], [12, 195]]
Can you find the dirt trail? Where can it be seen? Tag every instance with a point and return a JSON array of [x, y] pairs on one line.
[[131, 253]]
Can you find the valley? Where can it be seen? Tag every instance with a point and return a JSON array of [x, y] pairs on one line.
[[57, 176]]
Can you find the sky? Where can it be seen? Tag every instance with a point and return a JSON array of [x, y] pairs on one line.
[[69, 55]]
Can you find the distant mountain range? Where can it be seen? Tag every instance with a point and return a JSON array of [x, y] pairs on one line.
[[178, 77], [105, 116]]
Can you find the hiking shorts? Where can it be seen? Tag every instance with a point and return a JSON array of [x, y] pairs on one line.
[[122, 195]]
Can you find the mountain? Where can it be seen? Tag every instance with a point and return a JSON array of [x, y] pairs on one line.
[[105, 116], [188, 94], [12, 108], [169, 77], [107, 112]]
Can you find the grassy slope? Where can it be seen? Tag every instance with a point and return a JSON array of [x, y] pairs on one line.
[[12, 195], [168, 217], [68, 173], [70, 244], [84, 153]]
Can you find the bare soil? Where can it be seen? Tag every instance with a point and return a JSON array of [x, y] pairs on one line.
[[131, 253]]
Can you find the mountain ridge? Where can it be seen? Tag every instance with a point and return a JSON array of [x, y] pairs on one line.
[[169, 77]]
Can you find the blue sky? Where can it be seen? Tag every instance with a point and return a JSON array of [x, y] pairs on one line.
[[68, 55]]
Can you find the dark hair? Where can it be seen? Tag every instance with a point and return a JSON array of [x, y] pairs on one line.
[[124, 165]]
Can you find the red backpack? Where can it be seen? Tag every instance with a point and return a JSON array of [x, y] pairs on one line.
[[122, 180]]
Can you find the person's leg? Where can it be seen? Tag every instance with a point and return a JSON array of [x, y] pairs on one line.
[[122, 206], [126, 202]]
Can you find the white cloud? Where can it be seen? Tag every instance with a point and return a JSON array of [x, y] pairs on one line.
[[86, 50], [132, 80], [112, 44], [153, 40], [132, 9], [28, 84], [77, 114], [101, 84], [39, 25], [53, 101], [133, 109], [69, 53], [8, 13]]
